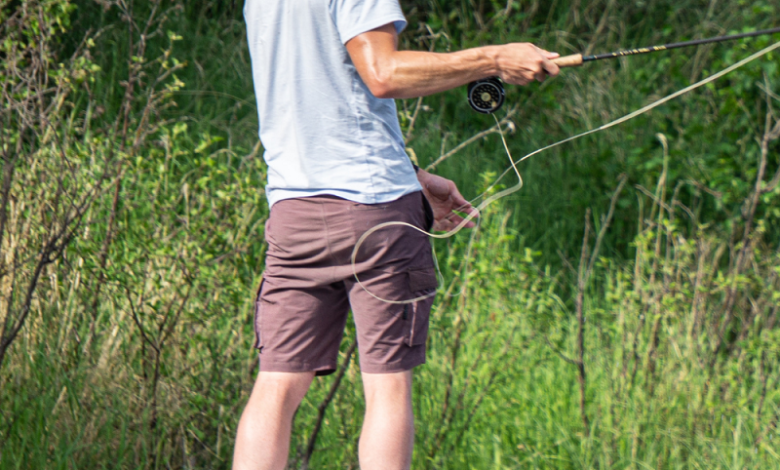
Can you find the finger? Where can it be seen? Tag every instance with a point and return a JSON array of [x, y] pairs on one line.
[[551, 67], [460, 202], [518, 80], [470, 211], [453, 221], [462, 205], [457, 220]]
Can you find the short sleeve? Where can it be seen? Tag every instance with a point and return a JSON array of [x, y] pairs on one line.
[[354, 17]]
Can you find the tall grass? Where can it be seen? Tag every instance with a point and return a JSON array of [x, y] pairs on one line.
[[619, 312]]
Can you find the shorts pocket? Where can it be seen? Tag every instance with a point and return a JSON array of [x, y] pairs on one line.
[[422, 279], [258, 317], [416, 314]]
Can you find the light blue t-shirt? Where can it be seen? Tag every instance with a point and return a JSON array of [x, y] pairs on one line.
[[322, 129]]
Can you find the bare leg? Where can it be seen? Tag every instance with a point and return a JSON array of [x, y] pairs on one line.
[[263, 439], [388, 429]]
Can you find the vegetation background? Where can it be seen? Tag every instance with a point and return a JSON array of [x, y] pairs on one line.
[[620, 312]]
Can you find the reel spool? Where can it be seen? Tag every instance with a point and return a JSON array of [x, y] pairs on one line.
[[486, 96]]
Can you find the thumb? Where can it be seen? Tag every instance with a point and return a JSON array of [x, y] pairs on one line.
[[547, 54]]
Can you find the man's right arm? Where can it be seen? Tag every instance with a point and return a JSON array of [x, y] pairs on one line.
[[390, 73]]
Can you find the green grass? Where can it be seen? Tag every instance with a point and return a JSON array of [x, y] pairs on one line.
[[145, 361]]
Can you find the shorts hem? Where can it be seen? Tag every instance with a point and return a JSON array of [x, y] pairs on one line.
[[267, 365], [400, 366]]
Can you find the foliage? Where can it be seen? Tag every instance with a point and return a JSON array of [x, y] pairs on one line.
[[131, 225]]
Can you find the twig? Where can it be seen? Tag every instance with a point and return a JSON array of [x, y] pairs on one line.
[[601, 25], [711, 192], [417, 107], [581, 280], [324, 406], [483, 392], [652, 196], [766, 385], [771, 133], [763, 380], [769, 92], [605, 224], [559, 352], [51, 252], [493, 130]]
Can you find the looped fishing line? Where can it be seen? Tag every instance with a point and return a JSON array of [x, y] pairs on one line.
[[519, 185]]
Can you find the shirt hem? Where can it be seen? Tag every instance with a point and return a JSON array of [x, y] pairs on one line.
[[277, 195]]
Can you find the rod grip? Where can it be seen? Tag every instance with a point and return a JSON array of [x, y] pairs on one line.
[[569, 61]]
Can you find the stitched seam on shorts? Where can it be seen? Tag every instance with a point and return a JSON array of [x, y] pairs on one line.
[[407, 363], [333, 264]]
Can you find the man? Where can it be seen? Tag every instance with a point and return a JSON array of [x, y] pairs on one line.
[[326, 73]]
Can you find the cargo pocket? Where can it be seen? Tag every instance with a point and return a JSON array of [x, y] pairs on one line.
[[259, 317], [416, 314]]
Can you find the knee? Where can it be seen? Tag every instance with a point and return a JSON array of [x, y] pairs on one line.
[[381, 389], [282, 389]]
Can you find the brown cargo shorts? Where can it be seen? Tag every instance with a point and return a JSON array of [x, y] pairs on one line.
[[308, 285]]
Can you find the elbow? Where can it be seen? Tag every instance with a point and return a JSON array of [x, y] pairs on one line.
[[382, 85], [382, 90]]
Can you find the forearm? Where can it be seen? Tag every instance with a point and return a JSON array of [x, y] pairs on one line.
[[390, 73], [409, 74]]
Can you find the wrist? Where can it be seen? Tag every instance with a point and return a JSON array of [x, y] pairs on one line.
[[480, 62], [422, 176], [492, 59]]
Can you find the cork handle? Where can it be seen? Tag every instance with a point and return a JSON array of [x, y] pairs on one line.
[[569, 61]]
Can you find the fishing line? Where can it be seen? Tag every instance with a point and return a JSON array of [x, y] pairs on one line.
[[644, 110], [519, 185], [469, 217]]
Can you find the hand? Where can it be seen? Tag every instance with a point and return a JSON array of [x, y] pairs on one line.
[[444, 198], [521, 63]]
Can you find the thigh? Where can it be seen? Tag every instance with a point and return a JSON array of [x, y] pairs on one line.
[[299, 329], [391, 304], [301, 308]]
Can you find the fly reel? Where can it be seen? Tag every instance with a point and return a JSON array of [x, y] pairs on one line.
[[486, 96]]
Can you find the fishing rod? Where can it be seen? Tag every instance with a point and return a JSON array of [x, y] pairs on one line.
[[486, 96]]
